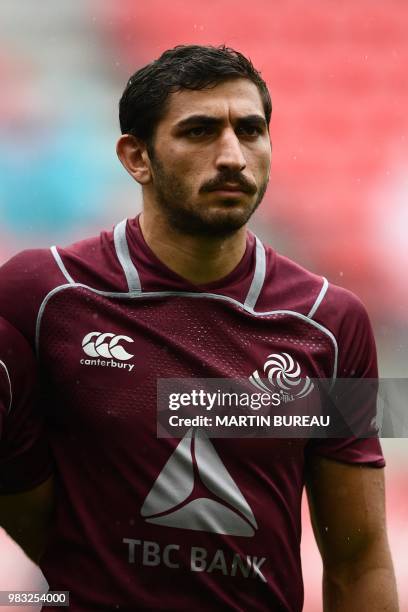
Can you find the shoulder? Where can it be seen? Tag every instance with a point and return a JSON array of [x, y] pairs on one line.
[[293, 287], [342, 308], [93, 262], [28, 277], [346, 316], [24, 281], [290, 286]]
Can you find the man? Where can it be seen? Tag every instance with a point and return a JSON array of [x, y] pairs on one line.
[[25, 464], [147, 523]]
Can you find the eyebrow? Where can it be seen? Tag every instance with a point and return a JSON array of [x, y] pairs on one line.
[[208, 120]]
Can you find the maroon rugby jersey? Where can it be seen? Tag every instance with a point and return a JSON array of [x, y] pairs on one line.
[[166, 524], [24, 456]]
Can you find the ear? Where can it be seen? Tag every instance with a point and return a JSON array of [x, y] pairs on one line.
[[133, 155]]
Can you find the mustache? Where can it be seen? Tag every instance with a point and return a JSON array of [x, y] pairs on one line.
[[235, 177]]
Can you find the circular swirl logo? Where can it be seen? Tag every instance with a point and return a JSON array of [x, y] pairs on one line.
[[284, 372]]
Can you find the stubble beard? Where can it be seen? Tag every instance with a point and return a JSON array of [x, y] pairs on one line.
[[176, 203]]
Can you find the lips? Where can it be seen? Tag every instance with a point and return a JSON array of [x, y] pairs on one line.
[[229, 184], [231, 188]]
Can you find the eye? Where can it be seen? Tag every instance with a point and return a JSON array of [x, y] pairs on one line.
[[199, 131], [250, 130]]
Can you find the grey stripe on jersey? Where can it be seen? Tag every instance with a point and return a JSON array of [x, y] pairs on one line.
[[259, 275], [61, 266], [319, 298], [3, 365], [122, 252]]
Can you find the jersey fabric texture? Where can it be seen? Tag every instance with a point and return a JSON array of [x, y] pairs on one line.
[[24, 456], [164, 524]]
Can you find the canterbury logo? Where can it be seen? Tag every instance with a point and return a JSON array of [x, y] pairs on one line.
[[172, 503], [97, 344], [282, 371]]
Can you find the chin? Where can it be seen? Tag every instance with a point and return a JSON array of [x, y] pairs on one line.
[[237, 212], [227, 223], [221, 218]]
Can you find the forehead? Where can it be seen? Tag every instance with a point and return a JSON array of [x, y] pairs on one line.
[[233, 98]]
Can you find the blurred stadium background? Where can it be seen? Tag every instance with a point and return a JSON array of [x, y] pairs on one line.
[[337, 202]]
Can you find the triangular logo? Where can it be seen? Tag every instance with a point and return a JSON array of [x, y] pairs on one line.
[[167, 503]]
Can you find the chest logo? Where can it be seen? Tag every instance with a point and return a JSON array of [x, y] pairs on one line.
[[97, 344], [281, 371], [198, 494]]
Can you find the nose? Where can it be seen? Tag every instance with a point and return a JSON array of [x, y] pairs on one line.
[[229, 154]]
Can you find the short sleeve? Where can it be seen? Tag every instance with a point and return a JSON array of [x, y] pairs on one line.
[[25, 460], [357, 360]]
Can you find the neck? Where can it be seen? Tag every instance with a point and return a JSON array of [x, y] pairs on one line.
[[198, 259]]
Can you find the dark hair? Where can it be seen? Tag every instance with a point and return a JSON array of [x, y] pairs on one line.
[[194, 67]]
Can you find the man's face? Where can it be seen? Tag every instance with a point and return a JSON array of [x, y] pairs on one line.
[[211, 158]]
